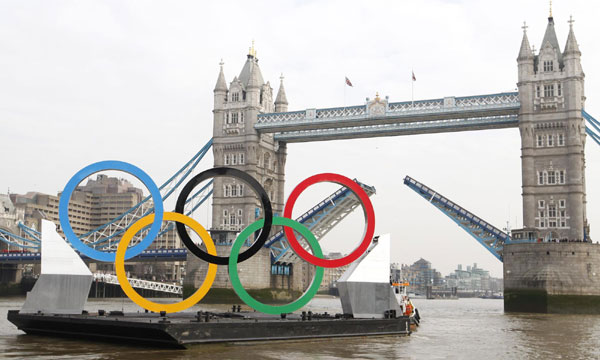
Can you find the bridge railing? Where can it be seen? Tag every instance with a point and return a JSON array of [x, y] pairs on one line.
[[274, 121], [141, 284]]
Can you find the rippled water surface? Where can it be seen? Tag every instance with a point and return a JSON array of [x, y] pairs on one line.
[[455, 329]]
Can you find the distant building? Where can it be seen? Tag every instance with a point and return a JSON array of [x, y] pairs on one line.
[[92, 205], [420, 275], [473, 279]]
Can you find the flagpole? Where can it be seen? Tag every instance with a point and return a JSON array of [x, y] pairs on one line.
[[412, 88], [344, 94]]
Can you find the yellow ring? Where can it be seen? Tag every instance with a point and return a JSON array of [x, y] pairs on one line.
[[143, 302]]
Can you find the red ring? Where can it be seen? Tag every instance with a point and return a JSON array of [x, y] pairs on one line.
[[367, 208]]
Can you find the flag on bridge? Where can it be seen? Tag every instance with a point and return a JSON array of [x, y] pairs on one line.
[[348, 82], [414, 78]]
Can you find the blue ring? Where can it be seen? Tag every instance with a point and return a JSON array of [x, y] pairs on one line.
[[63, 209]]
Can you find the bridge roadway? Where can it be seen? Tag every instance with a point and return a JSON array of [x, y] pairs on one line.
[[146, 255], [380, 118]]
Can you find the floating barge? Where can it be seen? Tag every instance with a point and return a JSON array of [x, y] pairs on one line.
[[55, 307], [181, 330]]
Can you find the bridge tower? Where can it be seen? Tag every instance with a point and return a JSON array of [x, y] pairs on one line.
[[551, 92], [237, 144], [558, 269]]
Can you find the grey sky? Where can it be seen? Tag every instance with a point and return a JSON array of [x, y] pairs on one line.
[[84, 81]]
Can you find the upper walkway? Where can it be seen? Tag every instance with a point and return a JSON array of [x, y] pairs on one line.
[[378, 117]]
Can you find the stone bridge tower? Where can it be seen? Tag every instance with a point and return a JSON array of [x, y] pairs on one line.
[[553, 136], [236, 144], [558, 270]]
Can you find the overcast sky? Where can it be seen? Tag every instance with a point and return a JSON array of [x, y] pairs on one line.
[[84, 81]]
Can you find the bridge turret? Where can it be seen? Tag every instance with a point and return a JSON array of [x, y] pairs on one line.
[[574, 73], [220, 90], [526, 70], [281, 103]]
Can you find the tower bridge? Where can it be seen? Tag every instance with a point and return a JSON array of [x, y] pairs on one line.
[[251, 128]]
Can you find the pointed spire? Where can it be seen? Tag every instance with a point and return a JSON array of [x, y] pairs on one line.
[[221, 84], [281, 97], [256, 79], [525, 53], [251, 76], [571, 47], [550, 38]]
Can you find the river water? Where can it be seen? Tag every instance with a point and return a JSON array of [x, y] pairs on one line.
[[450, 329]]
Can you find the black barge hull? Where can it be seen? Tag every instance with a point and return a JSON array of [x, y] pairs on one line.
[[184, 329]]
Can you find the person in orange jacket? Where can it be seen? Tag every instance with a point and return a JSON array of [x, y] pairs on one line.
[[409, 308]]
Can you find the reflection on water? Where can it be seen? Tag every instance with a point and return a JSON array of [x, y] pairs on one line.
[[460, 329]]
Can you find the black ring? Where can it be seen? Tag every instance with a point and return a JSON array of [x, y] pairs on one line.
[[260, 191]]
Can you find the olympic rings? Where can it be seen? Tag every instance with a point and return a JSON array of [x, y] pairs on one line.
[[367, 209], [123, 252], [143, 302], [63, 209], [239, 288], [260, 191]]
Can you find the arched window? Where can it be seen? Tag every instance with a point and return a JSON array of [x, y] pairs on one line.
[[228, 191], [241, 159], [233, 159], [540, 178], [232, 219], [227, 159], [233, 191], [545, 180], [225, 217], [241, 190], [551, 178]]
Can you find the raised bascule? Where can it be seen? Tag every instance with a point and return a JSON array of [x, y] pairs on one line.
[[550, 265]]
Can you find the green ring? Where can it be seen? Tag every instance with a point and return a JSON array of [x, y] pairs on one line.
[[239, 288]]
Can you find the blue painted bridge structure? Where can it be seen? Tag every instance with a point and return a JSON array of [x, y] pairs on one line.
[[382, 118]]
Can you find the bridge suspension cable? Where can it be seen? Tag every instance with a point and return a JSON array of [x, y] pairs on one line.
[[593, 132]]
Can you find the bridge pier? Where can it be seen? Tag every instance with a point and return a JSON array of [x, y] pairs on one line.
[[11, 274], [552, 278]]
